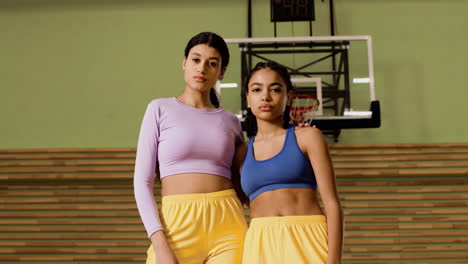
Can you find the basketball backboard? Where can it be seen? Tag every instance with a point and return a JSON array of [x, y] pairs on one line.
[[338, 69]]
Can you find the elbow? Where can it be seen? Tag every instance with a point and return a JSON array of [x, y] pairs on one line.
[[333, 206]]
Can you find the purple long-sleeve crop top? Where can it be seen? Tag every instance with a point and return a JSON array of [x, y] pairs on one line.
[[177, 138]]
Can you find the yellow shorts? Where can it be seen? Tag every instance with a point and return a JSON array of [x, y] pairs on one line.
[[286, 239], [203, 227]]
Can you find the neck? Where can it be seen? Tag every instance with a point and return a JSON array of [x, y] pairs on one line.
[[267, 129], [196, 99]]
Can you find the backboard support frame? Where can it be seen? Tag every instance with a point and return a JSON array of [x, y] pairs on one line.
[[334, 48]]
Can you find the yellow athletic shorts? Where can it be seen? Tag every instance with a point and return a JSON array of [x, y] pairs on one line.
[[286, 239], [203, 227]]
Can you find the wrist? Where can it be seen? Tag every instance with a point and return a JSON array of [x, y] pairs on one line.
[[159, 240]]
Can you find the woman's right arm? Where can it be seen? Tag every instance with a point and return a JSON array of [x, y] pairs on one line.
[[143, 184]]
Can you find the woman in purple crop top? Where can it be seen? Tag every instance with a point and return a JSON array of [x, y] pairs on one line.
[[190, 140], [288, 224]]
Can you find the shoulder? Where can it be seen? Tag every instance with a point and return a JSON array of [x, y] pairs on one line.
[[230, 116], [156, 108], [163, 106], [308, 133], [158, 102], [310, 139]]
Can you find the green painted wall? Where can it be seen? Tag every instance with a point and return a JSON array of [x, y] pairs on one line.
[[79, 73]]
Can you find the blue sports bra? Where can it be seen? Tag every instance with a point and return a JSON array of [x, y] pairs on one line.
[[287, 169]]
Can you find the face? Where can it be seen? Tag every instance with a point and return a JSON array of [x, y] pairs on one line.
[[202, 68], [267, 95]]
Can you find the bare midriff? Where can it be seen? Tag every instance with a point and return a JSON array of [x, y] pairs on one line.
[[194, 183], [286, 202]]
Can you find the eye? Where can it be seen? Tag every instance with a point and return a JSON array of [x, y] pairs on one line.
[[213, 64], [255, 89], [196, 60], [276, 89]]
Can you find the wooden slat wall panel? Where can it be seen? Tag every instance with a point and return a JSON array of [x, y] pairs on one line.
[[69, 206], [403, 203]]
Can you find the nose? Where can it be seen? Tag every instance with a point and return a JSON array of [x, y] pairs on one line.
[[266, 97], [201, 68]]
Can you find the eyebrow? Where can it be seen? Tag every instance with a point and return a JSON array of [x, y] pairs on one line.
[[256, 83], [272, 84], [276, 83], [198, 54]]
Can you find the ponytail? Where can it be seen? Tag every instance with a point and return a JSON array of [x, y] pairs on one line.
[[214, 98]]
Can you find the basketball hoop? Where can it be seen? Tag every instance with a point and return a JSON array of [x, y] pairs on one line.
[[303, 108]]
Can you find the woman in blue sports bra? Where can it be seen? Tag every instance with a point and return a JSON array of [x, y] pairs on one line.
[[281, 168]]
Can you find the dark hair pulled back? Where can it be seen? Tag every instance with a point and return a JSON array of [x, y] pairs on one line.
[[251, 121], [215, 41]]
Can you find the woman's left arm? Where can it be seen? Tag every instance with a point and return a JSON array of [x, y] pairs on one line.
[[236, 168], [319, 156]]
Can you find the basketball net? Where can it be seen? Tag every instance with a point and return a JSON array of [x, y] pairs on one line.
[[303, 108]]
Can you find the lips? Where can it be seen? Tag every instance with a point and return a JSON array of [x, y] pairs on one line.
[[199, 79], [265, 108]]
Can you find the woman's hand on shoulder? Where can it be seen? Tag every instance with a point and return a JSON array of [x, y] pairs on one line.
[[306, 124]]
